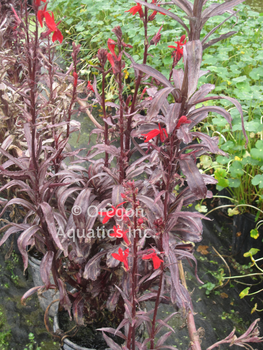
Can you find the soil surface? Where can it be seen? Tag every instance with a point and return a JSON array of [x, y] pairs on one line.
[[218, 308]]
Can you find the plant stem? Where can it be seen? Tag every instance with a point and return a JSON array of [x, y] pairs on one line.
[[106, 128], [138, 81], [193, 334], [131, 336]]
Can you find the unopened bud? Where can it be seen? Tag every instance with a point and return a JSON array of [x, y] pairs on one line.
[[102, 56], [117, 31]]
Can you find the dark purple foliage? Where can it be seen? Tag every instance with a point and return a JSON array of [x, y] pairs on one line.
[[67, 206]]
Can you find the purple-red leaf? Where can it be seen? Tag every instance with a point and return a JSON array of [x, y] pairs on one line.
[[49, 218], [45, 267]]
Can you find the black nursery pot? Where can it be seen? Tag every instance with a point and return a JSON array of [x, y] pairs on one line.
[[242, 242], [68, 344], [48, 296]]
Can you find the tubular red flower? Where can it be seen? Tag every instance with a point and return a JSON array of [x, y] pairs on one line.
[[111, 46], [178, 53], [119, 233], [57, 36], [50, 22], [161, 131], [38, 2], [122, 257], [182, 120], [138, 8], [109, 214], [89, 86], [75, 75], [155, 259]]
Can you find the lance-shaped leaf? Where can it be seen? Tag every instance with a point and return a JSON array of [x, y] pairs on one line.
[[82, 202], [194, 178], [153, 73], [45, 268], [18, 201], [215, 28], [23, 242], [184, 5], [193, 59], [193, 116], [116, 197], [15, 161], [112, 331], [63, 197], [221, 37], [13, 229], [163, 323], [166, 12], [92, 269], [178, 77], [209, 142], [63, 297], [77, 308], [112, 301], [30, 292], [213, 10], [204, 90], [189, 228], [172, 117], [173, 267], [155, 209], [163, 338], [158, 102], [50, 221], [111, 343]]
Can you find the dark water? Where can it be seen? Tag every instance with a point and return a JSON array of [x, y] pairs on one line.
[[256, 5]]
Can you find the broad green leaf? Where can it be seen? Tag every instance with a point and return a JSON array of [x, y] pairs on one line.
[[220, 173], [258, 180], [232, 212], [201, 208], [239, 79], [254, 233], [257, 152], [251, 252], [222, 160], [234, 183], [205, 161], [244, 292], [236, 169], [256, 73]]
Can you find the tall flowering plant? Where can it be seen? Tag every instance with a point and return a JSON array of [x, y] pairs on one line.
[[116, 230]]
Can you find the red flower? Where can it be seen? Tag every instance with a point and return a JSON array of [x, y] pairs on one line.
[[112, 57], [57, 35], [182, 120], [50, 22], [89, 86], [114, 211], [122, 257], [111, 46], [18, 20], [75, 75], [178, 53], [150, 135], [156, 260], [138, 8], [38, 2], [119, 233]]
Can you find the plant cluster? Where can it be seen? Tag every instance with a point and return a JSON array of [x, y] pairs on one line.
[[116, 230]]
